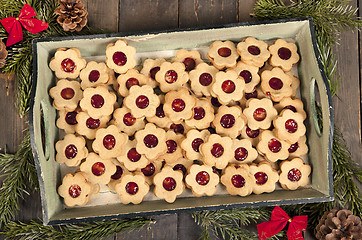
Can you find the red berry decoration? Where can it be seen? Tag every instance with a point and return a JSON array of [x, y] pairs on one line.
[[180, 167], [205, 79], [169, 184], [199, 113], [153, 72], [74, 190], [109, 141], [150, 141], [252, 133], [171, 146], [290, 107], [284, 53], [131, 82], [238, 181], [128, 119], [131, 188], [215, 102], [118, 174], [149, 170], [294, 175], [190, 64], [202, 178], [70, 118], [159, 111], [275, 83], [217, 150], [246, 75], [261, 178], [228, 86], [171, 76], [196, 144], [251, 95], [71, 151], [241, 154], [274, 145], [293, 147], [92, 123], [259, 114], [133, 155], [119, 58], [98, 168], [178, 105], [227, 121], [68, 65], [177, 128], [142, 101], [291, 125]]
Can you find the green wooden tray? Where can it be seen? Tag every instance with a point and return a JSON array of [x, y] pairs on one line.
[[44, 133]]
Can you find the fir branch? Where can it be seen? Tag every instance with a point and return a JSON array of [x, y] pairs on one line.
[[92, 230]]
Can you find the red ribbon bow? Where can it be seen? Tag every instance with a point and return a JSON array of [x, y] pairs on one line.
[[13, 27], [279, 219]]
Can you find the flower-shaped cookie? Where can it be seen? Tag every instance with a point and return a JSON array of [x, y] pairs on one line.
[[76, 189], [289, 126], [131, 159], [260, 113], [202, 114], [150, 171], [192, 142], [250, 75], [253, 52], [229, 121], [160, 118], [67, 120], [142, 101], [150, 68], [252, 135], [222, 54], [174, 149], [178, 105], [117, 176], [151, 141], [238, 180], [283, 54], [202, 79], [202, 180], [228, 87], [294, 174], [98, 102], [120, 56], [109, 142], [217, 151], [131, 78], [168, 184], [190, 59], [182, 165], [67, 63], [276, 84], [66, 95], [132, 188], [126, 122], [88, 126], [95, 74], [99, 170], [265, 177], [171, 76], [71, 150], [296, 105], [181, 128], [243, 151], [299, 148], [271, 147], [257, 93]]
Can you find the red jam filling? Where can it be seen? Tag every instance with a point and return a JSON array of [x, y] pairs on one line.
[[251, 95], [153, 72], [171, 146], [274, 145], [149, 170], [224, 52], [70, 118], [169, 184], [284, 53], [71, 151], [171, 76], [109, 141], [67, 93], [202, 178], [131, 188], [74, 190], [94, 76], [294, 175], [98, 168], [177, 128], [293, 147], [252, 133], [150, 141], [133, 155], [180, 167], [119, 58], [131, 82], [205, 79], [259, 114], [227, 121], [196, 144], [68, 65], [241, 154], [199, 113], [92, 123], [291, 125], [118, 174], [246, 75], [128, 119], [290, 107], [142, 101], [215, 102], [238, 181], [190, 64], [178, 105], [275, 83], [261, 178], [159, 111], [254, 50], [217, 150], [228, 86], [97, 101]]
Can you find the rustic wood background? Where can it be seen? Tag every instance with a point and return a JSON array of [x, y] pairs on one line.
[[146, 15]]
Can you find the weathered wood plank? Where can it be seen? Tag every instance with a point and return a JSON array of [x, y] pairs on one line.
[[147, 15], [103, 14], [245, 8]]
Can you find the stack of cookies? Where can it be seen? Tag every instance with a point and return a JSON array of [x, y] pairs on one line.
[[179, 123]]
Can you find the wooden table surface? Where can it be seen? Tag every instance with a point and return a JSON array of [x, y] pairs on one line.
[[146, 15]]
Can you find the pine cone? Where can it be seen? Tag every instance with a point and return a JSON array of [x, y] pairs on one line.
[[3, 53], [71, 15], [339, 224]]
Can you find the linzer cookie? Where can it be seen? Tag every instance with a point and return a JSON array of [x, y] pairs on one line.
[[202, 78], [190, 59], [88, 126], [67, 63], [253, 52], [250, 75], [117, 176], [150, 171], [132, 188], [228, 87], [202, 180], [283, 54], [202, 115], [192, 142], [299, 148], [252, 135], [120, 56], [151, 141], [67, 120], [238, 180], [276, 84], [142, 101], [271, 147], [294, 174], [126, 122], [168, 184], [71, 150], [178, 105], [229, 121], [216, 151], [95, 74], [66, 95], [150, 68], [260, 113], [131, 159], [98, 102], [296, 105], [174, 150], [181, 164], [222, 54], [160, 118], [289, 126], [265, 177], [181, 128], [257, 93], [243, 151], [171, 76], [131, 78]]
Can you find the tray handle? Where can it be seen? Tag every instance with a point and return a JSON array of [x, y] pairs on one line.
[[45, 108], [316, 107]]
